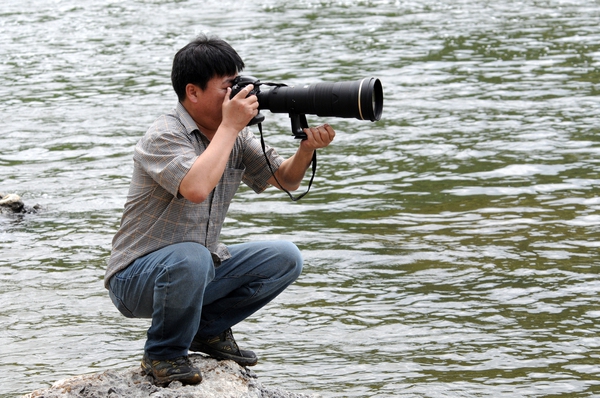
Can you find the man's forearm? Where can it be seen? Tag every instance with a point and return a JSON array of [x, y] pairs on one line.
[[292, 170]]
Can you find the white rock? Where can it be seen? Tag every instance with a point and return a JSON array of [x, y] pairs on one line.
[[220, 379], [12, 201]]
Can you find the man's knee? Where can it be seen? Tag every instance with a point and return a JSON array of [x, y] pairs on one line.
[[291, 257], [192, 262]]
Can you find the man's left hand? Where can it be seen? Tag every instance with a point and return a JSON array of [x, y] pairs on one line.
[[318, 137]]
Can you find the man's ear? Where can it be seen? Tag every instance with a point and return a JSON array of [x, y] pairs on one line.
[[192, 92]]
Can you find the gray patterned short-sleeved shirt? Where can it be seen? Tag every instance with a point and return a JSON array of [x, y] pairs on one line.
[[156, 215]]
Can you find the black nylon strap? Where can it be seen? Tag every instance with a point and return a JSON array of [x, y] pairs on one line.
[[313, 162]]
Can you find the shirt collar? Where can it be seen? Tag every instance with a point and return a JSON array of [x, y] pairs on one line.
[[186, 119]]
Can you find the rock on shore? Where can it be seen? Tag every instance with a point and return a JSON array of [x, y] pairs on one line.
[[221, 379], [12, 203]]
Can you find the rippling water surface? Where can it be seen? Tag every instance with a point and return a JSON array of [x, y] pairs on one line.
[[451, 249]]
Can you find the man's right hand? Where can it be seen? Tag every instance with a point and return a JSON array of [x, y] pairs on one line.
[[239, 110]]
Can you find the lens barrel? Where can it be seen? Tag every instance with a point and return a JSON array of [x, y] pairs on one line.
[[360, 99]]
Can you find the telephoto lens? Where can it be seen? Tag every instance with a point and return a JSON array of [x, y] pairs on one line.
[[360, 99]]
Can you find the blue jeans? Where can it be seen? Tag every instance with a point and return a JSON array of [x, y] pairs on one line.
[[186, 295]]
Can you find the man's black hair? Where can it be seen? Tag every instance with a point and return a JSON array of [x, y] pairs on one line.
[[201, 60]]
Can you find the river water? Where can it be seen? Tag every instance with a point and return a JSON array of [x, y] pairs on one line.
[[451, 249]]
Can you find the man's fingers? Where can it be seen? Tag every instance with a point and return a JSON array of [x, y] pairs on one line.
[[319, 137], [324, 132], [243, 93]]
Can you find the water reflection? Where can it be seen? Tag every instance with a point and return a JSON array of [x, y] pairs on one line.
[[450, 249]]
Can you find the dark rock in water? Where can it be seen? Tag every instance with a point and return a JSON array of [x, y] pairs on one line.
[[220, 379], [12, 204]]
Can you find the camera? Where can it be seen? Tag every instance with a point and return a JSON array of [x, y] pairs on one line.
[[238, 84], [361, 99]]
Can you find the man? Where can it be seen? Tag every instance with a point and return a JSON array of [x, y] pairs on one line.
[[166, 262]]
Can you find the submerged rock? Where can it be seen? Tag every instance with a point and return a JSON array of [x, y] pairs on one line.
[[221, 379], [12, 203]]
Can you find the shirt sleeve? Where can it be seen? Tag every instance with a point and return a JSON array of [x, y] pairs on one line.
[[166, 153], [257, 170]]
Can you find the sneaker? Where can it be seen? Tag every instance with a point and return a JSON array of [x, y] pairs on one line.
[[224, 346], [166, 371]]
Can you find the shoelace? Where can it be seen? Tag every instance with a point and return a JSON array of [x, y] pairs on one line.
[[229, 337]]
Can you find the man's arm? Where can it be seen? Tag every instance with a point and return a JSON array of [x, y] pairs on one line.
[[208, 168], [292, 170]]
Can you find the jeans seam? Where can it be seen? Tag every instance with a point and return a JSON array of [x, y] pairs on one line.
[[165, 299]]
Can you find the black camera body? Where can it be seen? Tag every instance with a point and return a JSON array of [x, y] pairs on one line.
[[238, 84], [242, 81], [360, 99]]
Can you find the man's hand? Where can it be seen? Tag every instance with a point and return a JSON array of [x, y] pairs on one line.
[[292, 170], [317, 137], [240, 109]]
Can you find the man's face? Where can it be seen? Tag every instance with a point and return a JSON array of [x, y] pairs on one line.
[[208, 108]]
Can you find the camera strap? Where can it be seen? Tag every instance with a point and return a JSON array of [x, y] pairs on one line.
[[313, 162]]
